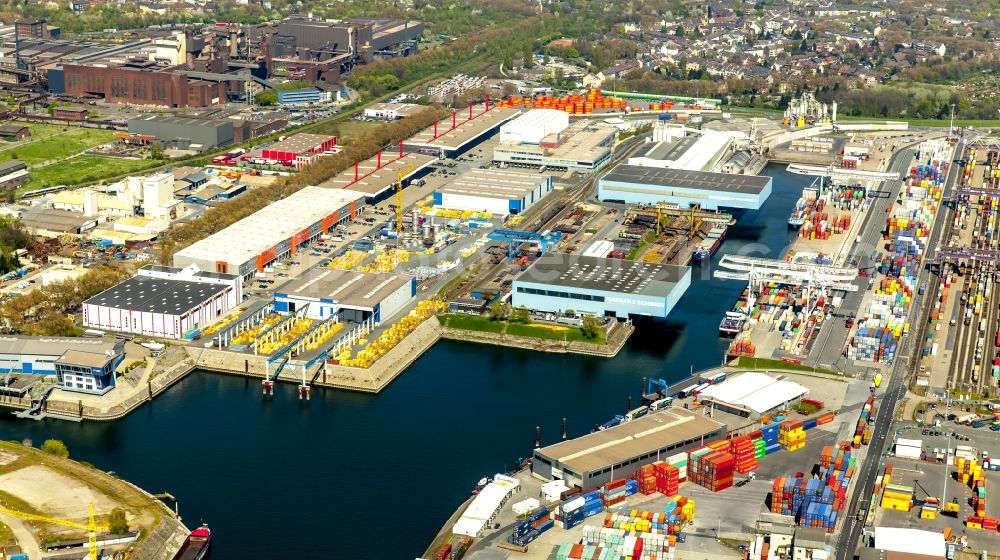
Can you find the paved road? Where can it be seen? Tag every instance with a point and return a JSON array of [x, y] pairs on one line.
[[828, 348], [850, 533]]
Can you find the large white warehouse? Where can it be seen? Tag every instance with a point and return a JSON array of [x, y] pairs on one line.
[[272, 233], [494, 191], [164, 302], [534, 125], [683, 148]]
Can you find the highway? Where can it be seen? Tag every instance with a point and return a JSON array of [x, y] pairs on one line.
[[864, 483]]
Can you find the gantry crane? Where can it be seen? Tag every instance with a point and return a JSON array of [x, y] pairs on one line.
[[399, 200], [91, 527]]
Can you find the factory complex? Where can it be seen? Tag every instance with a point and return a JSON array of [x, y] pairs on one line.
[[273, 233], [556, 282], [618, 452]]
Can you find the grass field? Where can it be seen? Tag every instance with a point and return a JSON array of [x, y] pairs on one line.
[[57, 147], [767, 363], [470, 323], [540, 331], [347, 130], [83, 169]]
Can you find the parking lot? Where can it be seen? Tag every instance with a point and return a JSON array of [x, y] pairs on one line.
[[928, 479]]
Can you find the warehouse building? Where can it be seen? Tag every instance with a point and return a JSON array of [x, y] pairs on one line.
[[303, 96], [80, 364], [13, 174], [392, 111], [137, 82], [619, 288], [753, 394], [596, 458], [349, 295], [296, 145], [164, 302], [184, 132], [683, 148], [633, 184], [274, 232], [494, 191], [582, 147], [533, 126]]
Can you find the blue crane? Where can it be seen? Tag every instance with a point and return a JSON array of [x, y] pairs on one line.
[[546, 240]]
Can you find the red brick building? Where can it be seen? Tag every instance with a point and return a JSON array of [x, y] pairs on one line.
[[142, 83]]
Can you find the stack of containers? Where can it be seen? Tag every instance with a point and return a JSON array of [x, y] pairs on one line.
[[667, 478], [769, 433], [816, 502], [791, 435], [712, 466], [930, 508], [744, 452], [613, 492], [895, 496], [680, 461], [614, 544], [646, 477], [867, 417], [531, 528]]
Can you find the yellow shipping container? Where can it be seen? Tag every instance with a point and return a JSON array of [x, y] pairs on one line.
[[972, 525], [928, 514]]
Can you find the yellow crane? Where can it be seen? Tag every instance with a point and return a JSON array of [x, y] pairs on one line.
[[91, 527], [399, 200]]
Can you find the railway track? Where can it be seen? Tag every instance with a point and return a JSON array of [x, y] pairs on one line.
[[977, 318]]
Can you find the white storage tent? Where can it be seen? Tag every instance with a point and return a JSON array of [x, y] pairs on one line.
[[485, 507], [552, 491], [909, 448], [525, 506], [910, 541], [754, 392]]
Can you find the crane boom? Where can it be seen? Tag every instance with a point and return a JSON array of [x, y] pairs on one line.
[[91, 527]]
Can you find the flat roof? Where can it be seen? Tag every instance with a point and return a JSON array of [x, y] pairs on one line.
[[298, 143], [465, 130], [269, 226], [373, 180], [157, 295], [604, 274], [584, 142], [681, 178], [911, 541], [601, 449], [56, 345], [80, 358], [494, 183], [346, 287], [403, 109]]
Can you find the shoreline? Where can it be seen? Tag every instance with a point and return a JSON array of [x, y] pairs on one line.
[[74, 407]]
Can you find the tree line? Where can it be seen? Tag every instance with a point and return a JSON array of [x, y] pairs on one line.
[[45, 312], [218, 218]]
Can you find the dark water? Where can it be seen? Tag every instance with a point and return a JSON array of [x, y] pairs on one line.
[[333, 477]]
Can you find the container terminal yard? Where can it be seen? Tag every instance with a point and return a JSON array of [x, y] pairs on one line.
[[510, 207]]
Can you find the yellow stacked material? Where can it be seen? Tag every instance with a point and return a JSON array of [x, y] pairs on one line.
[[248, 336], [222, 323], [387, 261], [391, 337], [348, 260], [296, 327], [324, 336]]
